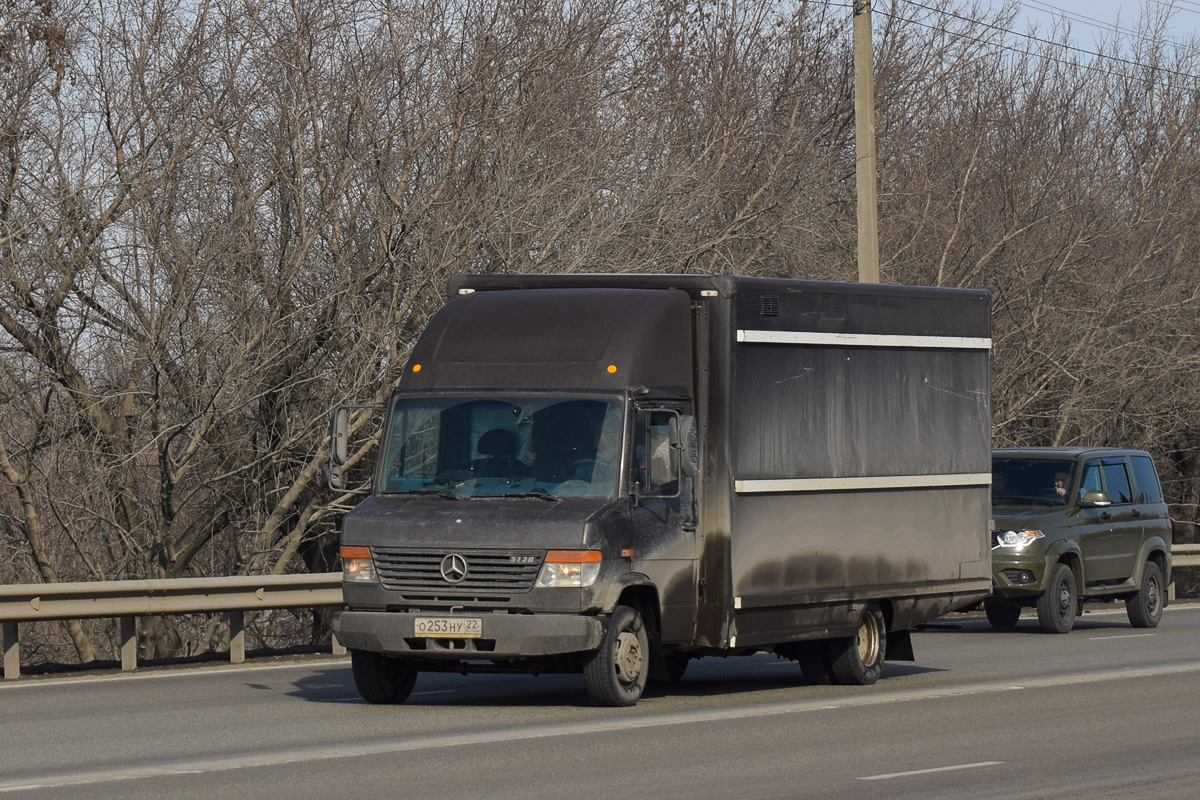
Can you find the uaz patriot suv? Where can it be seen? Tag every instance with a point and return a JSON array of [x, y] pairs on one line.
[[1075, 524]]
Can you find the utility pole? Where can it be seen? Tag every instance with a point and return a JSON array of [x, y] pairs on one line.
[[864, 145]]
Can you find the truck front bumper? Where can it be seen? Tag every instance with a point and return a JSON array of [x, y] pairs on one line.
[[503, 636]]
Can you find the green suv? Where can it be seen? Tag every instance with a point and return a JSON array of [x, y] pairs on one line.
[[1075, 524]]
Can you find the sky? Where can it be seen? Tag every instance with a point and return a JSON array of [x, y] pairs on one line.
[[1093, 21]]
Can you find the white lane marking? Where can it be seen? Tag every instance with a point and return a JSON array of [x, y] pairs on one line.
[[1122, 636], [276, 758], [930, 770], [434, 691]]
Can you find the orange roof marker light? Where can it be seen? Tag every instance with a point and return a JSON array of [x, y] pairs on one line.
[[612, 369]]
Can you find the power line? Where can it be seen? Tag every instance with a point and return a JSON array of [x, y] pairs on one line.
[[1094, 22], [1174, 5], [1048, 42]]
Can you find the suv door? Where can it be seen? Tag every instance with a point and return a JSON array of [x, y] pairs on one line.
[[1111, 547]]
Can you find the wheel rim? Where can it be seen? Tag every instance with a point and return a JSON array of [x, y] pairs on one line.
[[868, 640], [1064, 600], [627, 658], [1152, 595]]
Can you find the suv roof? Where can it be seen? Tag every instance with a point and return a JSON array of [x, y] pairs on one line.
[[1066, 452]]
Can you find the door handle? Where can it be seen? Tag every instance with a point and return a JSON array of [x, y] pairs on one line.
[[1105, 515], [1135, 513]]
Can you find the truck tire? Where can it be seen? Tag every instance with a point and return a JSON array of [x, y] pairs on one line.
[[616, 673], [858, 660], [1002, 615], [1145, 607], [1057, 606], [677, 664], [813, 658], [381, 680]]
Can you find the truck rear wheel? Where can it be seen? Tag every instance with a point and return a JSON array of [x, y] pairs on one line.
[[1057, 606], [1146, 607], [1002, 615], [858, 660], [813, 658], [381, 680], [616, 673]]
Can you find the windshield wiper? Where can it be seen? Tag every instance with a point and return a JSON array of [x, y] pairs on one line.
[[539, 492], [449, 494]]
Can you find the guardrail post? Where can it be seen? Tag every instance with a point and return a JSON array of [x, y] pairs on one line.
[[237, 637], [129, 643], [12, 652]]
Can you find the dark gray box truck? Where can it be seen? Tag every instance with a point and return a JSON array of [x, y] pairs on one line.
[[614, 474]]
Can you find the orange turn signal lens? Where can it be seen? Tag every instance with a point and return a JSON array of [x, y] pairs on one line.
[[612, 369], [354, 552], [572, 556], [416, 367]]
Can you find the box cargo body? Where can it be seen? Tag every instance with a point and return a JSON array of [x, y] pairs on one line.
[[714, 465]]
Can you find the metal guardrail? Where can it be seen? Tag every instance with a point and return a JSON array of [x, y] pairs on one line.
[[127, 600], [1185, 555]]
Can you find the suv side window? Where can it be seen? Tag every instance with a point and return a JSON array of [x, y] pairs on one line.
[[1091, 480], [1117, 481], [1147, 480]]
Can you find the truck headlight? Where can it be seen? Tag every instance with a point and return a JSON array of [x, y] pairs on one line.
[[357, 566], [569, 568], [1016, 539]]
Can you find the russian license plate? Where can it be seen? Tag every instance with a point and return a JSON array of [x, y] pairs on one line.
[[449, 627]]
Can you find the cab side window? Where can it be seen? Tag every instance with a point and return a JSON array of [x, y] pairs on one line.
[[1116, 479], [657, 464]]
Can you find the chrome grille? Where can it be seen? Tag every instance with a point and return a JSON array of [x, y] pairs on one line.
[[419, 570]]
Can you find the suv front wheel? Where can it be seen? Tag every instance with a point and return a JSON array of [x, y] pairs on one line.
[[1056, 607]]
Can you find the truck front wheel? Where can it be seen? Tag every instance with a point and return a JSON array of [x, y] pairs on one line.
[[616, 673], [858, 660], [381, 680]]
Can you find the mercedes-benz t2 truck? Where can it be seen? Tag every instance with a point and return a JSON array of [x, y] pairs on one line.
[[615, 474]]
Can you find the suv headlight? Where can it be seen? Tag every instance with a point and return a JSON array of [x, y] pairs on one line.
[[1016, 539], [569, 568]]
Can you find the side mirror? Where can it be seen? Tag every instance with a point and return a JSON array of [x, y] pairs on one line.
[[1095, 499], [685, 441], [339, 433]]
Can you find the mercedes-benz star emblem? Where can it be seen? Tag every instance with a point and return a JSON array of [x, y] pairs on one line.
[[454, 568]]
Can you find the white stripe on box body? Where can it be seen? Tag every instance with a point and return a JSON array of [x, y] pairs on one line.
[[864, 340], [863, 483]]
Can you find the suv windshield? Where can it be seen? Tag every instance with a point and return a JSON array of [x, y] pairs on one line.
[[1031, 481], [546, 447]]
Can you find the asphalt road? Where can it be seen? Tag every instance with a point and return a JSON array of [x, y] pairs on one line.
[[1106, 711]]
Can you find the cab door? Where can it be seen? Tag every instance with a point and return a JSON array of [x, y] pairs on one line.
[[663, 520]]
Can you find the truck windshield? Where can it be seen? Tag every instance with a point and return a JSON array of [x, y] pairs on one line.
[[547, 447], [1031, 481]]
